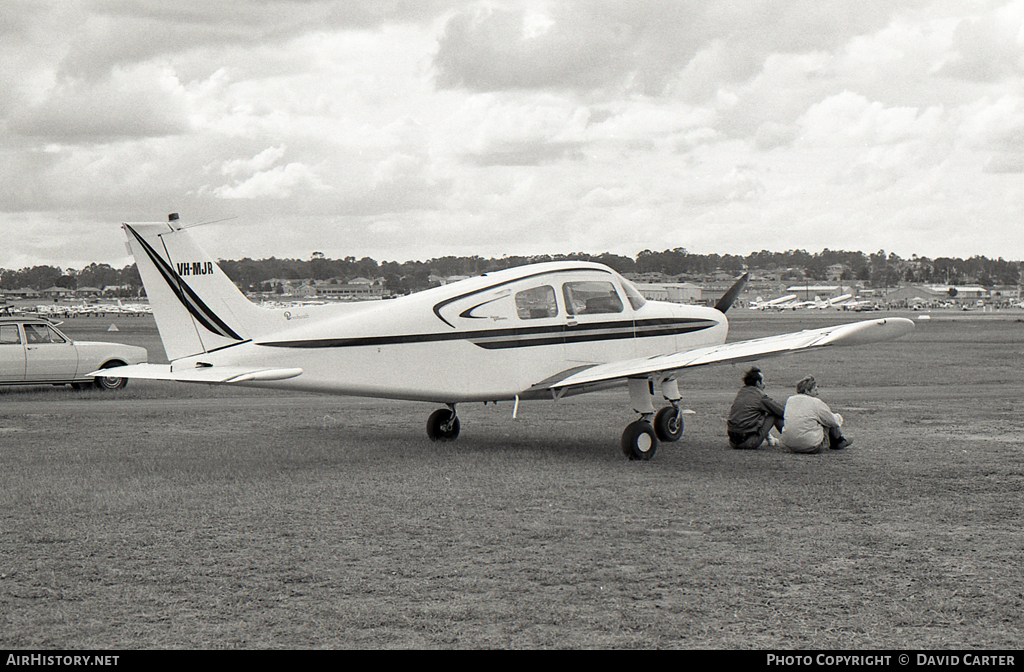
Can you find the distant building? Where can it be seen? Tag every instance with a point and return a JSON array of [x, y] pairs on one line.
[[835, 272], [57, 292], [711, 292], [306, 291], [114, 289], [1006, 292], [928, 295], [808, 292], [287, 286], [357, 288], [674, 292], [962, 291], [366, 289], [653, 277], [23, 293]]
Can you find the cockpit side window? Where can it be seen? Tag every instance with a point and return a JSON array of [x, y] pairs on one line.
[[591, 297], [536, 303]]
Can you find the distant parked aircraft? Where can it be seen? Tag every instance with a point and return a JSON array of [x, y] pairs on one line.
[[858, 306], [834, 301], [779, 303]]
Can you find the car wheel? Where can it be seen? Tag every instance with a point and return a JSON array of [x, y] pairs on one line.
[[110, 382]]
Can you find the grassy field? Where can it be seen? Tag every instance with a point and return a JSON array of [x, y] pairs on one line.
[[179, 516]]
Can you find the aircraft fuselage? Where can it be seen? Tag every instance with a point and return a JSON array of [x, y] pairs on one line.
[[487, 338]]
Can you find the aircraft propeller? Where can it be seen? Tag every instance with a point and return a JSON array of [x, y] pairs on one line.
[[729, 297]]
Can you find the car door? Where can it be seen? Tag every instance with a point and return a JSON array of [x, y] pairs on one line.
[[48, 355], [12, 354]]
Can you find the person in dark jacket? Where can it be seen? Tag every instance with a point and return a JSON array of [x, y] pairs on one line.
[[753, 414]]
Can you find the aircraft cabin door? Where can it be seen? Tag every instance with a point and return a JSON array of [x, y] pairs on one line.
[[599, 326]]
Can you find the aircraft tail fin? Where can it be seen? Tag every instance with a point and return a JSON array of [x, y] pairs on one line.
[[197, 307]]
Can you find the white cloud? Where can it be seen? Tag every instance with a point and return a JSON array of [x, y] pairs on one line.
[[988, 47], [516, 126], [995, 124], [262, 161], [138, 102], [277, 183], [849, 119]]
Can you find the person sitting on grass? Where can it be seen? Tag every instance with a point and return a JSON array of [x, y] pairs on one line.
[[810, 426], [753, 414]]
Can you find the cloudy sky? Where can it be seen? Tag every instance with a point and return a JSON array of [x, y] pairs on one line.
[[410, 129]]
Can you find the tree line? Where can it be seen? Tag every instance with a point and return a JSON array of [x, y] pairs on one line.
[[877, 269], [99, 276]]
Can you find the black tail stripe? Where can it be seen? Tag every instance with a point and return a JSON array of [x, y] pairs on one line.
[[185, 294], [176, 284]]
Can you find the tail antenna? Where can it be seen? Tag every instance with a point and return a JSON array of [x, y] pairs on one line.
[[172, 219]]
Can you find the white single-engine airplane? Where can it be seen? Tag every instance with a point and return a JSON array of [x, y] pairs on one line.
[[543, 331], [779, 303]]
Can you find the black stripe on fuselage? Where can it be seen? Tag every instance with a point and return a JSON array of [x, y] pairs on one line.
[[522, 337]]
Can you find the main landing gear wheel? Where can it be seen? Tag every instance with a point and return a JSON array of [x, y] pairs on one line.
[[443, 425], [639, 442], [668, 423]]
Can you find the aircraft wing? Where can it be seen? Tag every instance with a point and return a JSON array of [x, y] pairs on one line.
[[856, 333], [205, 374]]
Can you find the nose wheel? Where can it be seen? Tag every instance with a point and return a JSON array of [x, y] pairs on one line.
[[668, 423], [443, 424]]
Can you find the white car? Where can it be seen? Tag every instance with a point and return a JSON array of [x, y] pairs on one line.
[[34, 352]]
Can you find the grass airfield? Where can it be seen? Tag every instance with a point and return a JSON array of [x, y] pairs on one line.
[[177, 516]]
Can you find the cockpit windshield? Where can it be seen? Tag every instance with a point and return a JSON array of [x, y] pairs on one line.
[[635, 298]]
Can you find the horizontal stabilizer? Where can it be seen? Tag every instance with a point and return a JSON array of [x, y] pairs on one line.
[[227, 375], [856, 333]]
